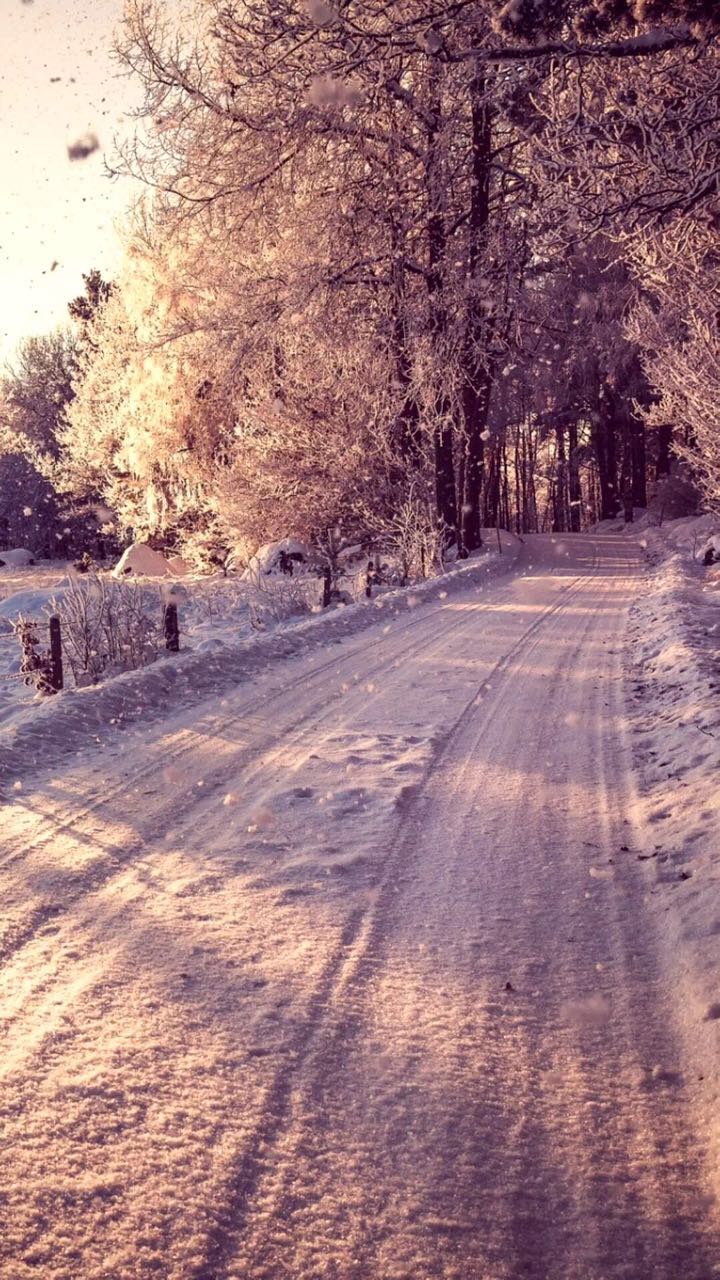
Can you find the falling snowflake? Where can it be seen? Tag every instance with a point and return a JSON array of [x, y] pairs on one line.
[[83, 147], [326, 91], [322, 14]]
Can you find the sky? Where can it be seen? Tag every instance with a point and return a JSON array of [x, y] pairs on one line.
[[58, 81]]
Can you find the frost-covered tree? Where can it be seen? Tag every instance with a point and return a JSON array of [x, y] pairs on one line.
[[677, 327], [629, 149], [353, 211], [35, 393], [209, 411], [140, 409], [37, 388], [398, 159]]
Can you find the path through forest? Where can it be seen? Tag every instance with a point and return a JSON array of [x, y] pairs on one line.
[[350, 974]]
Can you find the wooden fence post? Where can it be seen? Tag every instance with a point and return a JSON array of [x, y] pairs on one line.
[[56, 662], [172, 630], [369, 579], [327, 583]]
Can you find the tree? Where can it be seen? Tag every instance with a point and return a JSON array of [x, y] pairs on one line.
[[34, 396], [401, 158], [85, 307], [677, 328], [385, 192], [630, 151], [38, 387]]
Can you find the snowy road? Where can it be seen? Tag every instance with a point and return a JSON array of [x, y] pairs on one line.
[[350, 974]]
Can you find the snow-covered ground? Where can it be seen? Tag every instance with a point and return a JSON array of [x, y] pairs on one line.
[[23, 590], [220, 645], [674, 675], [354, 969]]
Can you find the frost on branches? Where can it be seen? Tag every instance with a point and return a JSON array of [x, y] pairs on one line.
[[446, 264]]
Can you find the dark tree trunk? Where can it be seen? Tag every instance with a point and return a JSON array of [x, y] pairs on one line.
[[491, 502], [445, 491], [505, 516], [559, 507], [603, 442], [530, 462], [664, 450], [574, 485], [638, 462], [477, 370], [520, 496], [476, 415], [407, 426]]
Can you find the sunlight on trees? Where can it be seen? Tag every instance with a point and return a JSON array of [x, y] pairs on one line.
[[388, 253]]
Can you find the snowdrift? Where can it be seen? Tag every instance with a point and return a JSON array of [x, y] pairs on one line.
[[17, 558], [143, 561], [673, 685]]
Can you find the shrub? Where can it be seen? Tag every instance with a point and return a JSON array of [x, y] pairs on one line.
[[108, 627], [274, 599], [84, 564], [414, 536], [674, 496]]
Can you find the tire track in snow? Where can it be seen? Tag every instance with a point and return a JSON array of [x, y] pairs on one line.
[[65, 822], [21, 934], [37, 979], [355, 950], [634, 1209]]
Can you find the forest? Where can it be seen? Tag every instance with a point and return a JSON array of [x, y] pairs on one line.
[[402, 271]]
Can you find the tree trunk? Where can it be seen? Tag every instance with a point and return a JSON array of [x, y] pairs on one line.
[[477, 372], [638, 462], [560, 522], [491, 502], [575, 487], [603, 442], [505, 515], [664, 450], [407, 426], [475, 410], [445, 491]]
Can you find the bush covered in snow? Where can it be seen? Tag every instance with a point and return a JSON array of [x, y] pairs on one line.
[[16, 558], [273, 599], [142, 561], [287, 556], [415, 539], [107, 627]]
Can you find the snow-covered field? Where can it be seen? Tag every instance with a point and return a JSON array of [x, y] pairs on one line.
[[220, 645], [361, 967]]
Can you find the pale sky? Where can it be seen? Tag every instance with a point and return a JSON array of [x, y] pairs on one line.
[[57, 82]]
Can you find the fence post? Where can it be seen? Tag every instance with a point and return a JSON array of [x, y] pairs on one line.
[[172, 630], [56, 662], [369, 579], [327, 582]]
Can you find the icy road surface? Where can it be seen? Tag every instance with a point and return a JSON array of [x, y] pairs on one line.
[[350, 974]]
